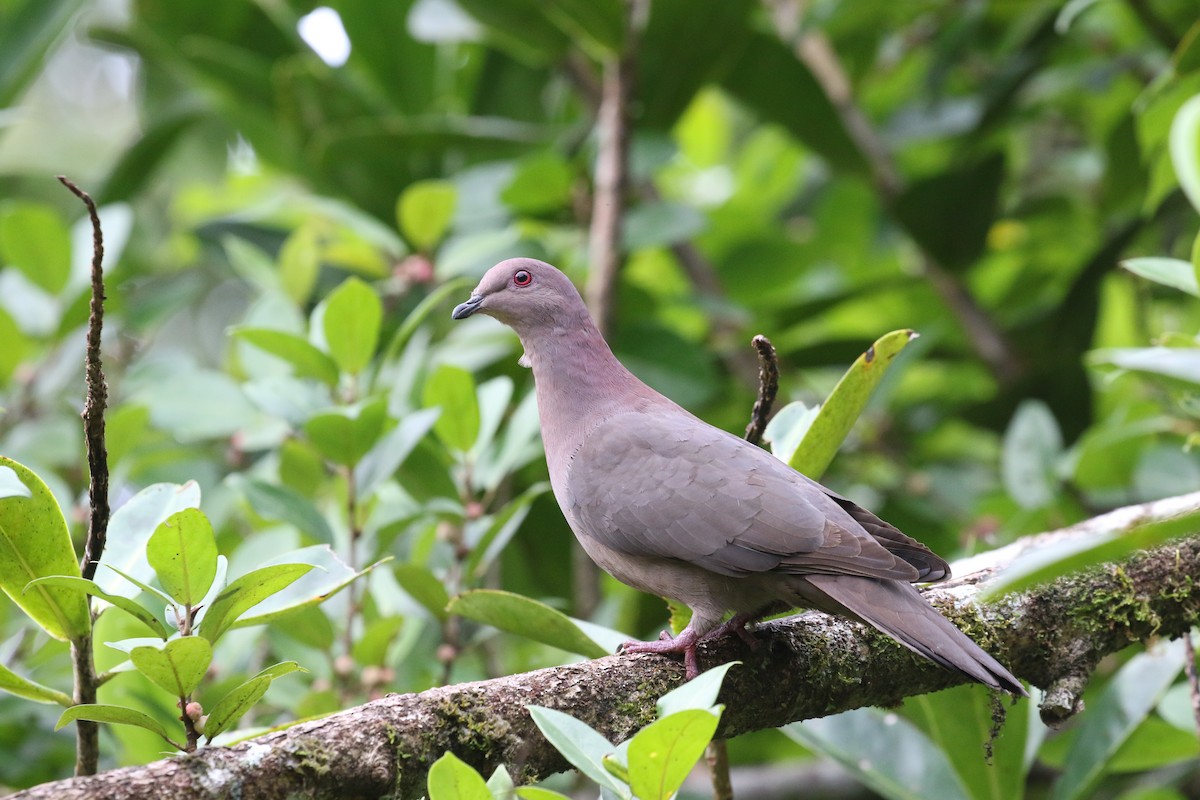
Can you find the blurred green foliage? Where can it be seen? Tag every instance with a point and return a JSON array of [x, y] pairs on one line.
[[282, 233]]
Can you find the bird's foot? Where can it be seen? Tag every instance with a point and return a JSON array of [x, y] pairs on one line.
[[737, 626], [666, 645]]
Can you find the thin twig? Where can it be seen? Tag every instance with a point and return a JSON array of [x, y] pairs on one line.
[[87, 733], [604, 236], [97, 398], [768, 387], [716, 755], [612, 177]]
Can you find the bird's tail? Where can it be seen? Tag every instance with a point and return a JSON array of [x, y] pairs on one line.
[[897, 609]]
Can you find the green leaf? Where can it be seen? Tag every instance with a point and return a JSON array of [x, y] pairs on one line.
[[424, 211], [299, 265], [329, 577], [501, 784], [35, 543], [306, 360], [234, 705], [452, 779], [579, 744], [769, 78], [34, 239], [11, 485], [183, 553], [353, 314], [371, 646], [1172, 272], [960, 722], [660, 224], [31, 28], [500, 530], [542, 184], [1185, 149], [845, 403], [788, 428], [345, 435], [538, 793], [177, 666], [526, 617], [118, 715], [418, 315], [16, 346], [885, 753], [598, 23], [698, 693], [385, 457], [281, 503], [1115, 715], [453, 390], [663, 753], [968, 196], [1032, 448], [130, 529], [1176, 363], [1046, 563], [13, 683], [246, 592], [84, 586], [424, 587], [139, 163]]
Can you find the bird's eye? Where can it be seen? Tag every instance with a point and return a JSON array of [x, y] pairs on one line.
[[522, 278]]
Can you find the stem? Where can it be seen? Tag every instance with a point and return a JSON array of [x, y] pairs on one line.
[[768, 388], [353, 605], [87, 733], [96, 400], [716, 755]]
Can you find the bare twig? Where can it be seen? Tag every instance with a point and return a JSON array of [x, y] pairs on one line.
[[768, 387], [604, 237], [97, 398], [612, 174], [87, 741], [814, 665], [716, 755]]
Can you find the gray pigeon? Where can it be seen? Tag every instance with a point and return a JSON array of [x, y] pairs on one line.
[[670, 505]]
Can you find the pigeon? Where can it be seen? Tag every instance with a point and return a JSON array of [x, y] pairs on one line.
[[673, 506]]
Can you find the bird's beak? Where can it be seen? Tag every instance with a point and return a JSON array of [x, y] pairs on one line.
[[464, 310]]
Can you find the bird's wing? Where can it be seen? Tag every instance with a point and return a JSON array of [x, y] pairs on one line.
[[667, 485], [929, 565]]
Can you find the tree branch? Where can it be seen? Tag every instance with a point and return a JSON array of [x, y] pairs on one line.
[[815, 665]]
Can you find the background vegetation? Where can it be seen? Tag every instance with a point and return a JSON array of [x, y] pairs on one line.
[[281, 225]]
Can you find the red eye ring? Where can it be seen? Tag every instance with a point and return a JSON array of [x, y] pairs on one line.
[[522, 278]]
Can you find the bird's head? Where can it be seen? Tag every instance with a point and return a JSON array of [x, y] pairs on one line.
[[525, 294]]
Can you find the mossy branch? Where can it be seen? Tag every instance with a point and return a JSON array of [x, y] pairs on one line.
[[816, 665]]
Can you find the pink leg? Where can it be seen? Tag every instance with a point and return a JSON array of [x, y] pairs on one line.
[[736, 625], [684, 643]]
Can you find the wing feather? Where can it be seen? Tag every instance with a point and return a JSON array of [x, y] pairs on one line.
[[671, 486]]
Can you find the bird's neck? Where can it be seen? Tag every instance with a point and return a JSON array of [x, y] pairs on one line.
[[580, 383]]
